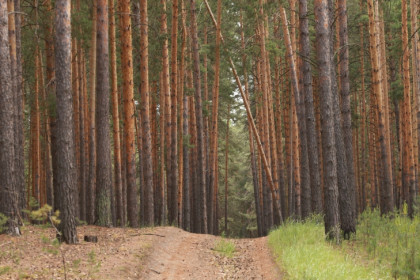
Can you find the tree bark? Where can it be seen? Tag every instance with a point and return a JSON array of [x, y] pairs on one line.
[[66, 166], [348, 219], [145, 101], [8, 194], [90, 193], [201, 186], [386, 192], [128, 108], [116, 121], [173, 178], [322, 28], [103, 147], [315, 178], [408, 170]]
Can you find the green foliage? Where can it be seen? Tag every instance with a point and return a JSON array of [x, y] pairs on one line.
[[397, 90], [3, 221], [94, 263], [225, 247], [385, 247], [303, 252], [392, 241], [4, 270], [51, 246], [43, 214]]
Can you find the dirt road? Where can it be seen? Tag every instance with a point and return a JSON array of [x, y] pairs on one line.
[[176, 254], [125, 253]]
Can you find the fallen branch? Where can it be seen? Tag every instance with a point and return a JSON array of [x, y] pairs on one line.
[[148, 234]]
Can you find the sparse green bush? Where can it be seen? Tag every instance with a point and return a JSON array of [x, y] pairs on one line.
[[225, 247], [43, 214]]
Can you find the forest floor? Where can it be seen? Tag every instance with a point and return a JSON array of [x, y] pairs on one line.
[[150, 253]]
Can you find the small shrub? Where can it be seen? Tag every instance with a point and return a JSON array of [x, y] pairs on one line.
[[225, 247]]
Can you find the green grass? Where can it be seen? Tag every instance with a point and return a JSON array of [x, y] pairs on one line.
[[225, 248], [303, 253], [4, 269], [394, 242]]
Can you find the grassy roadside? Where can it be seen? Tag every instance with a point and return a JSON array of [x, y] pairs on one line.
[[382, 249]]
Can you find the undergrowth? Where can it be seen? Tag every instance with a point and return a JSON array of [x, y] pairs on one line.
[[225, 248], [385, 247], [394, 242], [302, 251]]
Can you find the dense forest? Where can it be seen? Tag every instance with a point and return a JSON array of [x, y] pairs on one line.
[[213, 116]]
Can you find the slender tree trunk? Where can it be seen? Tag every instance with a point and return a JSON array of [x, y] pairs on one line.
[[299, 104], [251, 140], [213, 160], [165, 94], [386, 192], [50, 92], [129, 117], [416, 76], [199, 113], [322, 28], [364, 162], [115, 120], [90, 193], [145, 101], [66, 167], [19, 128], [348, 220], [8, 195], [315, 178], [408, 171], [103, 152], [173, 178], [183, 186], [226, 169], [249, 114]]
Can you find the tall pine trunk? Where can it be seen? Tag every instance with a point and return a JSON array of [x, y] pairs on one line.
[[322, 29], [8, 194], [200, 165], [128, 109], [103, 147], [118, 216], [66, 166], [145, 101]]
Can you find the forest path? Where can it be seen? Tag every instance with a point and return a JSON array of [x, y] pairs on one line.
[[176, 254]]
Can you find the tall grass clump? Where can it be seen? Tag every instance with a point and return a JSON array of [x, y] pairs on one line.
[[393, 240], [302, 252]]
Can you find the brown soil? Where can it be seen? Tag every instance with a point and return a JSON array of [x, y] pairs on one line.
[[181, 255], [158, 253]]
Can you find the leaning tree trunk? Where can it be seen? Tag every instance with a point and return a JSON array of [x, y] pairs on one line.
[[304, 171], [66, 166]]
